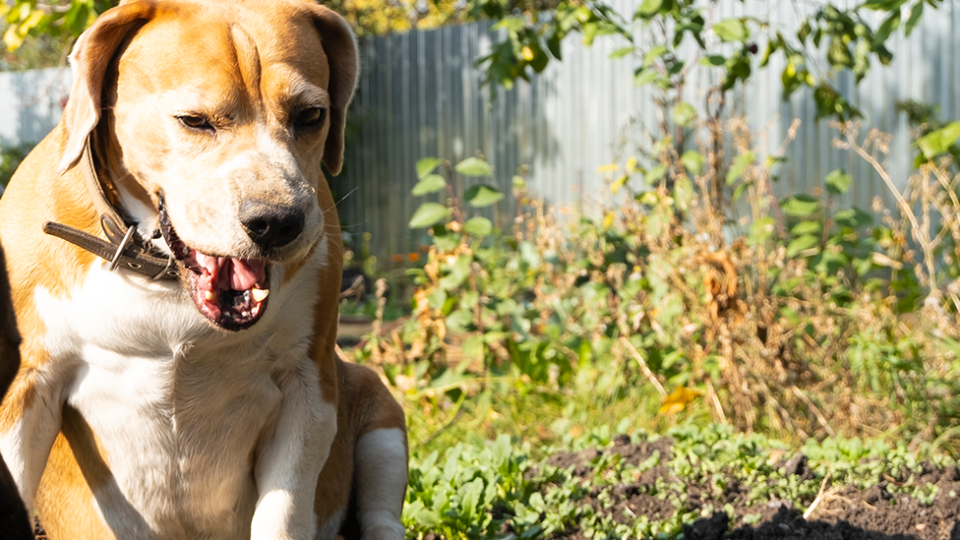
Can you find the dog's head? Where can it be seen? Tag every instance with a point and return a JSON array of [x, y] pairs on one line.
[[212, 120]]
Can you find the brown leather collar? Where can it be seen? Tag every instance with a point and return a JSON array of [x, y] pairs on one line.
[[123, 248]]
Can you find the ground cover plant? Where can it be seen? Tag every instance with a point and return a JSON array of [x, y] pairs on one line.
[[695, 482]]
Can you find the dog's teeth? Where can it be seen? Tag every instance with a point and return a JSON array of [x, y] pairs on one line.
[[185, 251], [259, 294], [209, 296]]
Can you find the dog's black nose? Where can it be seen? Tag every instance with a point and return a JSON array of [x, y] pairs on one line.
[[270, 225]]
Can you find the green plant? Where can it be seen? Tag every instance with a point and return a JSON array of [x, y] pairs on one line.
[[10, 159], [794, 327]]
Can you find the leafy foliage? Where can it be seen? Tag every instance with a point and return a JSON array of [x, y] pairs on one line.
[[787, 328], [482, 489], [727, 47]]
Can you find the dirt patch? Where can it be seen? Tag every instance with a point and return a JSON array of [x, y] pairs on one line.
[[878, 512]]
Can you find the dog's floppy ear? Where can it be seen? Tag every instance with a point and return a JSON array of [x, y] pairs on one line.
[[90, 57], [341, 50]]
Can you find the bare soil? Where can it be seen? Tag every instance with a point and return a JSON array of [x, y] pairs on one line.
[[845, 513]]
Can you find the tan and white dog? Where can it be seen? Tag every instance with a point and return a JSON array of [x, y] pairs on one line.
[[175, 259]]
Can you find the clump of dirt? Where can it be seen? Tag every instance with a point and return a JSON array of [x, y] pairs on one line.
[[846, 513]]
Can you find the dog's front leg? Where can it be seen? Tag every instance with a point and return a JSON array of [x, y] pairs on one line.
[[290, 462], [29, 423]]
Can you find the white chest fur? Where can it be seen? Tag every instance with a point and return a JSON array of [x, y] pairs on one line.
[[179, 408]]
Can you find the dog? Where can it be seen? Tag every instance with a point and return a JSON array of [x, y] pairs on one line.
[[14, 520], [175, 259]]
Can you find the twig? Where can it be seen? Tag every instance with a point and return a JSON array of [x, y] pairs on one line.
[[816, 502], [643, 366], [816, 411], [340, 354], [716, 403]]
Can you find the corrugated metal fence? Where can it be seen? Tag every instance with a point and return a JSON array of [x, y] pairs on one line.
[[420, 95]]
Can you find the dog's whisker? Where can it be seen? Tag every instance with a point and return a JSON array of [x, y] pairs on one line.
[[351, 192]]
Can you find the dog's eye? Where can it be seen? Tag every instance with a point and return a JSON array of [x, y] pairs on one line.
[[196, 122], [310, 117]]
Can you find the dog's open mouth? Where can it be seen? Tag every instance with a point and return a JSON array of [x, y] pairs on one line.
[[231, 292]]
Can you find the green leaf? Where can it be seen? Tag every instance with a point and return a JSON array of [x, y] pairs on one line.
[[806, 227], [761, 230], [883, 5], [915, 15], [731, 30], [838, 181], [683, 113], [713, 60], [445, 240], [478, 226], [426, 166], [653, 54], [473, 347], [800, 205], [644, 76], [511, 24], [801, 244], [519, 184], [471, 498], [683, 193], [428, 214], [482, 195], [887, 27], [740, 165], [839, 54], [553, 45], [620, 53], [655, 174], [854, 218], [429, 184], [937, 142], [619, 183], [474, 167], [459, 321], [649, 8], [693, 161]]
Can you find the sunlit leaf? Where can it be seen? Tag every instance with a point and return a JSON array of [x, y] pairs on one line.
[[428, 214], [801, 244], [937, 142], [693, 161], [838, 181], [620, 53], [478, 226], [731, 30], [800, 205], [427, 165], [474, 167], [430, 183], [482, 195], [683, 113]]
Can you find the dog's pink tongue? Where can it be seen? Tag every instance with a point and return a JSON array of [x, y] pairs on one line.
[[227, 273], [244, 273]]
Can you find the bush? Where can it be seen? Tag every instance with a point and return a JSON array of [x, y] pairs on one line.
[[817, 320]]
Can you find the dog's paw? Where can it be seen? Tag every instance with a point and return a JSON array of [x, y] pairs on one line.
[[386, 531]]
